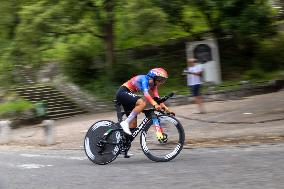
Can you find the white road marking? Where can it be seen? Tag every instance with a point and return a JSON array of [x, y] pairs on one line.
[[33, 166], [247, 113], [30, 155], [55, 157], [77, 158]]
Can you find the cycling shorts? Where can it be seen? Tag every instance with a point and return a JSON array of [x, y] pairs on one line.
[[127, 99]]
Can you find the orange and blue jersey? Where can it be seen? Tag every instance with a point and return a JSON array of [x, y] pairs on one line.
[[141, 83]]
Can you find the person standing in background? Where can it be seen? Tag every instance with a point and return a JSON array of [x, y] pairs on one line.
[[194, 74]]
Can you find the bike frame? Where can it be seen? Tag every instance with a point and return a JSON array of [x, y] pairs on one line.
[[148, 118], [140, 127], [145, 121], [149, 115]]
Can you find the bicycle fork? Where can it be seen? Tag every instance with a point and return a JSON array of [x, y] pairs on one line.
[[157, 126], [156, 123], [161, 136]]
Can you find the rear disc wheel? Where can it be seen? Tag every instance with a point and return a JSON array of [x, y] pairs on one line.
[[101, 151]]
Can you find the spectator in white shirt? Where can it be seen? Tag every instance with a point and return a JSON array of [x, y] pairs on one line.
[[194, 74]]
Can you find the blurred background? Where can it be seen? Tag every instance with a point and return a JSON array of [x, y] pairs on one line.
[[89, 48]]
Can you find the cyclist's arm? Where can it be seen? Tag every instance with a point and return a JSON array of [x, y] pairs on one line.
[[146, 92], [156, 94], [155, 91], [149, 97]]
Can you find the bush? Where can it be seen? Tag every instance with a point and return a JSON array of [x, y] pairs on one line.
[[14, 108], [270, 56], [255, 74], [79, 65], [102, 87]]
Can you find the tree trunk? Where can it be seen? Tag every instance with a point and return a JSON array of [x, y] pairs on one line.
[[109, 34], [109, 44]]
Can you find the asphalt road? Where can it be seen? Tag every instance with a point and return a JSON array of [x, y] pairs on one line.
[[246, 167]]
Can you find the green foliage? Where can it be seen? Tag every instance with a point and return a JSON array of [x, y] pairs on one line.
[[255, 20], [270, 56], [140, 61], [237, 17], [141, 23], [6, 68], [14, 107], [102, 87], [77, 33], [79, 64], [276, 75], [255, 74], [124, 70]]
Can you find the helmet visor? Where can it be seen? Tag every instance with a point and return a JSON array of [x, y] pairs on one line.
[[161, 79]]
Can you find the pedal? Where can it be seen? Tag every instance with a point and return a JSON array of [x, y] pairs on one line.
[[126, 156], [164, 139]]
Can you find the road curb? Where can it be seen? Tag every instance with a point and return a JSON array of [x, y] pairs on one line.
[[231, 122]]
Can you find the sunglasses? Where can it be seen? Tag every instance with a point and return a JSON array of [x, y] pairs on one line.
[[161, 79]]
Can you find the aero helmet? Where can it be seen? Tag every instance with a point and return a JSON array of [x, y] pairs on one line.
[[158, 72]]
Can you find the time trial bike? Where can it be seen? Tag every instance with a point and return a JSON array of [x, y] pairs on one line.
[[105, 139]]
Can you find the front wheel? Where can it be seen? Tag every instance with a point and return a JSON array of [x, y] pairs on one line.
[[168, 149], [102, 142]]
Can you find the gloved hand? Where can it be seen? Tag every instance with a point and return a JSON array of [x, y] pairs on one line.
[[157, 107], [172, 113], [169, 111]]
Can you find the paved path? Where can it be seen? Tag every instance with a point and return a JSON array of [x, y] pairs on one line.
[[231, 167], [253, 119]]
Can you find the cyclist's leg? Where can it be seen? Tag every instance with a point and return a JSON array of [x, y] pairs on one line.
[[132, 118], [134, 104], [130, 102], [158, 129], [133, 123], [139, 107]]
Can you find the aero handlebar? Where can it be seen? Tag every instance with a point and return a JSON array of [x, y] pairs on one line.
[[164, 98]]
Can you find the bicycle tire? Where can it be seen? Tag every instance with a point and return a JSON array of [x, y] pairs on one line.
[[111, 147], [163, 152]]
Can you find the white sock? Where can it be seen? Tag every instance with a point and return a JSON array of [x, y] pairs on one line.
[[131, 116]]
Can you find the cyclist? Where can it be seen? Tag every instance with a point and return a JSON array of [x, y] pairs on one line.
[[148, 84]]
